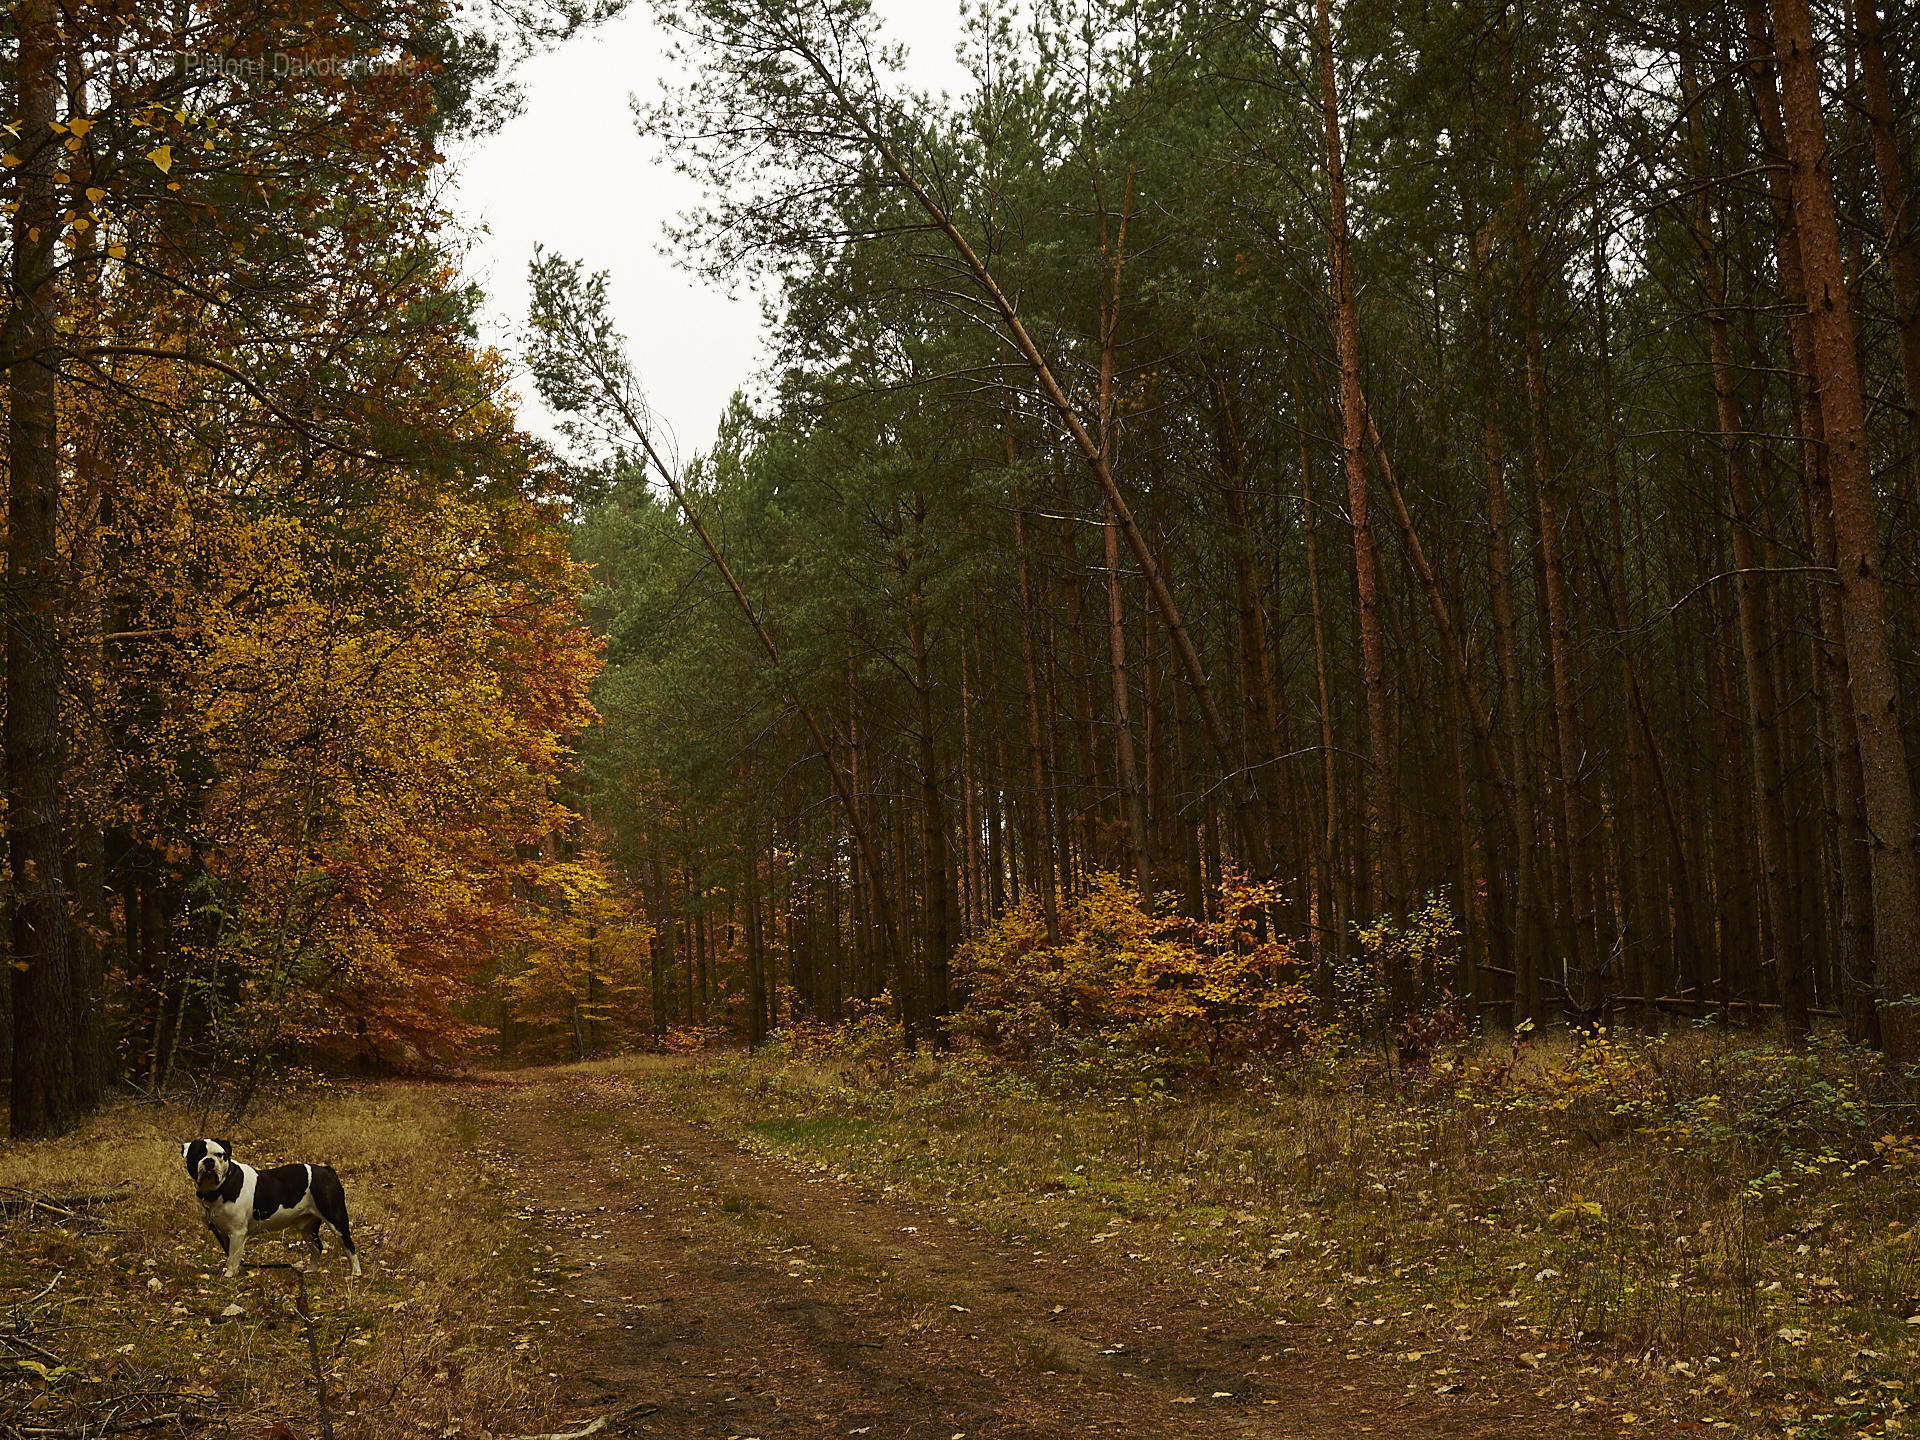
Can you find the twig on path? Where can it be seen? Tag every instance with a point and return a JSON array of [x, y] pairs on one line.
[[114, 1427], [594, 1427], [48, 1290], [17, 1199], [13, 1339]]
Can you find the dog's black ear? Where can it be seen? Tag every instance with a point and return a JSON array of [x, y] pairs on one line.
[[191, 1153]]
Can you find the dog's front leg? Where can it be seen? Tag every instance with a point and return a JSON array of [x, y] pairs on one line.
[[236, 1249]]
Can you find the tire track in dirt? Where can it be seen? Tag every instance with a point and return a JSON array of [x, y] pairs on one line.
[[898, 1323]]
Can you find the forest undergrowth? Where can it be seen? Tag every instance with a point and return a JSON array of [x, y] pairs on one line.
[[116, 1313], [1710, 1226]]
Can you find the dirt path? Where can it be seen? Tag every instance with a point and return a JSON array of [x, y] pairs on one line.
[[746, 1300]]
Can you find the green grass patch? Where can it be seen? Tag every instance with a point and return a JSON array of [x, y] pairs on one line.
[[1690, 1230], [810, 1131]]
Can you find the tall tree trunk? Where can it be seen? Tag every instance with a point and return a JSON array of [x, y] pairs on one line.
[[969, 788], [1260, 729], [1756, 641], [1732, 849], [1506, 649], [1191, 788], [86, 796], [1040, 842], [1153, 717], [756, 956], [1114, 259], [1558, 629], [1843, 782], [867, 983], [689, 944], [1896, 215], [1332, 917], [1383, 803], [1086, 760], [1846, 802], [664, 919], [1883, 755], [1645, 920], [46, 1097], [1122, 721], [933, 819], [1046, 614], [1001, 874]]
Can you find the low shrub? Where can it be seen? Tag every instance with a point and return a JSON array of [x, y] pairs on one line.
[[1128, 995]]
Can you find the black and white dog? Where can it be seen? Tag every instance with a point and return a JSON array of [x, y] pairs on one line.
[[240, 1200]]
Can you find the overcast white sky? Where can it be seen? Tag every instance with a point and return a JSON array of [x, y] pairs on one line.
[[571, 174]]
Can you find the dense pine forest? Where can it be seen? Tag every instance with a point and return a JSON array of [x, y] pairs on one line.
[[1436, 484], [1266, 529]]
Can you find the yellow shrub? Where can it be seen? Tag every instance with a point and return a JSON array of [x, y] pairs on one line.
[[1130, 994]]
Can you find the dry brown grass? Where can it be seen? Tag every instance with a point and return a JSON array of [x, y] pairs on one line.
[[437, 1338]]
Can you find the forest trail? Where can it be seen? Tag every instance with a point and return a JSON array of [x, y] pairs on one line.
[[745, 1298]]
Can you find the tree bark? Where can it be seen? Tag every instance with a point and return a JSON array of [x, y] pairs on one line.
[[1896, 215], [1883, 756], [969, 788], [1506, 650], [1260, 726], [1086, 759], [1122, 721], [1331, 917], [46, 1020], [1040, 844], [1383, 804], [1557, 632], [933, 820], [1756, 640]]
